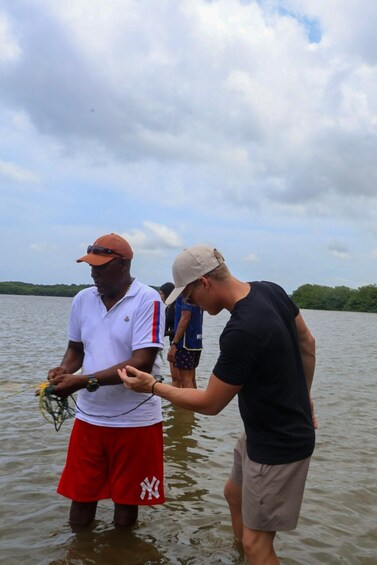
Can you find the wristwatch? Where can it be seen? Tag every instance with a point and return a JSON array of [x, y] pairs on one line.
[[92, 385]]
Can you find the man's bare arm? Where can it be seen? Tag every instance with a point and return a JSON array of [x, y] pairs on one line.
[[307, 349], [68, 383], [208, 401]]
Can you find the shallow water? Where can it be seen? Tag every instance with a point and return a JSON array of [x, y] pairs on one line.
[[338, 523]]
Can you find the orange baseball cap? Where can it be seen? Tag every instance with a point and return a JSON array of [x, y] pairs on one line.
[[105, 249]]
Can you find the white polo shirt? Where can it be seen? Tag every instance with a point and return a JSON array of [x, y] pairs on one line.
[[109, 337]]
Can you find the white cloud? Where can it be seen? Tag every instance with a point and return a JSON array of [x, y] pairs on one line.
[[16, 173], [340, 251], [164, 235], [253, 100], [9, 49], [155, 239], [43, 247], [251, 258], [194, 121]]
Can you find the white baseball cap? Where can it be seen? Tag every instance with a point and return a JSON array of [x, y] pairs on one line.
[[190, 265]]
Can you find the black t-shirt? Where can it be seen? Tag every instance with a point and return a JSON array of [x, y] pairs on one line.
[[259, 350]]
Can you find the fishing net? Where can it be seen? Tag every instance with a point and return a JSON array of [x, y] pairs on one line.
[[54, 408]]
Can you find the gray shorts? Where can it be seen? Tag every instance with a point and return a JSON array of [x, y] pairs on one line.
[[271, 494]]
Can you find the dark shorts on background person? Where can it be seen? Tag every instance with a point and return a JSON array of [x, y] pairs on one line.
[[124, 464], [271, 494], [185, 359]]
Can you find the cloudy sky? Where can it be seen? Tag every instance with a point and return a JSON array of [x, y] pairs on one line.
[[246, 125]]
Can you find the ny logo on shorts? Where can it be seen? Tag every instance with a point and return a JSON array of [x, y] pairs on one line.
[[149, 487]]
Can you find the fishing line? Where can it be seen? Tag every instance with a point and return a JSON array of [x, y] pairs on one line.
[[113, 416], [60, 410], [19, 392]]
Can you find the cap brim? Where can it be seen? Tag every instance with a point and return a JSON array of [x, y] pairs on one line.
[[174, 295], [96, 260]]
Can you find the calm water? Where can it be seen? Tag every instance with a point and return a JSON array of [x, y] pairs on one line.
[[339, 516]]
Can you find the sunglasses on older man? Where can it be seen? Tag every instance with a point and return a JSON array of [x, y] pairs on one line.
[[98, 250]]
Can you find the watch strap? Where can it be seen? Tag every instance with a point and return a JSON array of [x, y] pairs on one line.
[[92, 384]]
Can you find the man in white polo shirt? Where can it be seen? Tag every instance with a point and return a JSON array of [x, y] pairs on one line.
[[116, 448]]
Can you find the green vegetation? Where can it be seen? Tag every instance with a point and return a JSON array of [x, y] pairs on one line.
[[41, 289], [309, 296], [317, 297]]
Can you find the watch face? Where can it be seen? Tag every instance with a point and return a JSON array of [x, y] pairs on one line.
[[92, 384]]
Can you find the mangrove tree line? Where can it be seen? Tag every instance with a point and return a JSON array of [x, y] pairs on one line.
[[317, 297], [307, 296]]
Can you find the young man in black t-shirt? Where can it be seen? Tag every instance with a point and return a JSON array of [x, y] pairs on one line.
[[267, 358]]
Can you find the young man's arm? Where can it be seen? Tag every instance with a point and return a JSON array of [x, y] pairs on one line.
[[307, 349], [180, 330], [209, 401]]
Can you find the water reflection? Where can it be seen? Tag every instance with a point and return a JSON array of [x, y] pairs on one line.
[[179, 441], [182, 455], [110, 546]]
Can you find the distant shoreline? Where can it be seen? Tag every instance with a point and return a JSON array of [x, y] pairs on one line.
[[29, 289], [21, 288], [307, 296]]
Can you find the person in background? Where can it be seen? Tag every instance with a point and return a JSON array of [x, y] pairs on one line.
[[116, 445], [164, 290], [267, 358], [186, 345]]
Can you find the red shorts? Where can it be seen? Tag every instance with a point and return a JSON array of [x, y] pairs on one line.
[[124, 464]]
